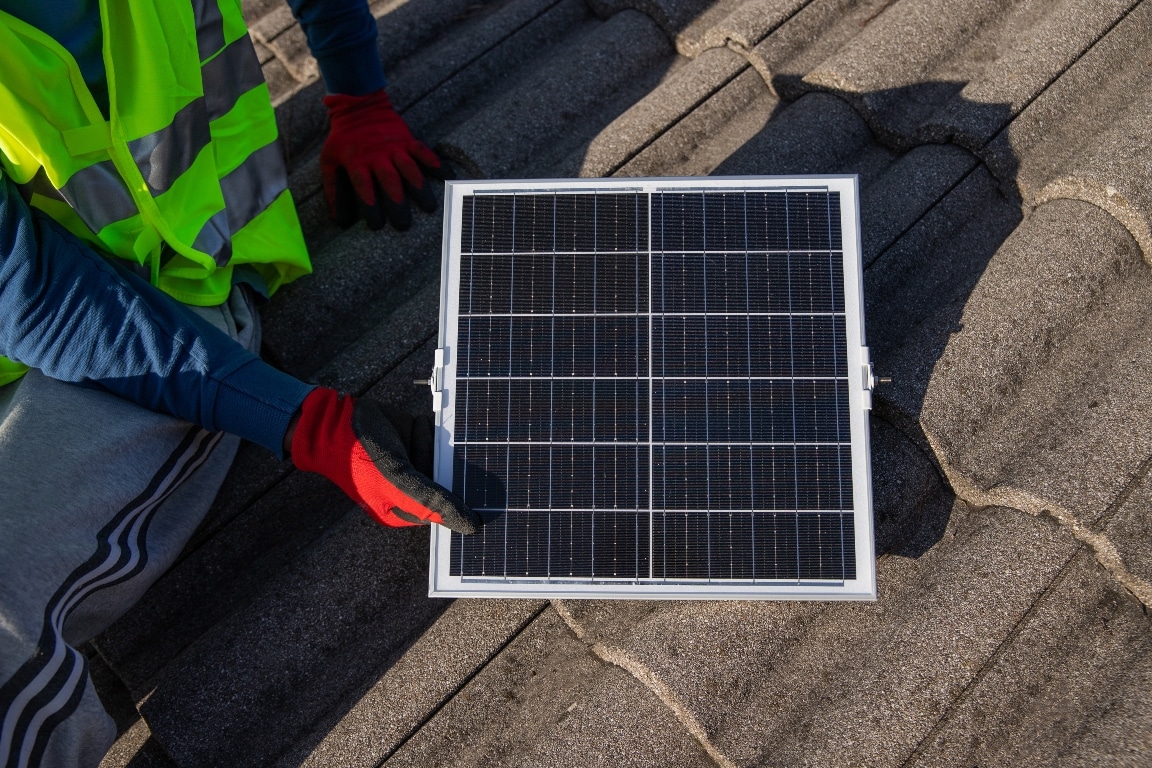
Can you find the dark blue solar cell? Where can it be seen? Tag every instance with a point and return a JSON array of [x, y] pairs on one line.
[[724, 225], [576, 223], [727, 345], [677, 282], [680, 545], [482, 476], [620, 410], [492, 223], [680, 477], [619, 220], [616, 480], [725, 286], [730, 477], [532, 283], [821, 408], [822, 546], [774, 545], [529, 410], [529, 478], [770, 340], [487, 346], [486, 284], [816, 346], [809, 226], [815, 285], [527, 541], [573, 292], [570, 543], [772, 418], [573, 410], [769, 285], [572, 469], [530, 350], [823, 477], [621, 545], [621, 346], [731, 546], [484, 413], [574, 350], [620, 282], [836, 242], [767, 221], [534, 223], [773, 477], [677, 217]]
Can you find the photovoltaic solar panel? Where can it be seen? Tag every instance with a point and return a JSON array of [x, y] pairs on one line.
[[654, 388]]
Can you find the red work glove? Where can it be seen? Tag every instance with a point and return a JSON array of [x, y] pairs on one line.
[[371, 164], [355, 445]]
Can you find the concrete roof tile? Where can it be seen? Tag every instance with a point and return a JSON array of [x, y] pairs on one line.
[[702, 138], [361, 278], [312, 633], [745, 26], [443, 84], [537, 120], [1046, 386], [915, 290], [1067, 688], [810, 37], [849, 684], [1068, 118], [1128, 526], [219, 577], [990, 52], [683, 21], [819, 133], [682, 92], [462, 640], [906, 190], [549, 700]]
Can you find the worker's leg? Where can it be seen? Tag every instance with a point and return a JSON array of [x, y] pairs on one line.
[[97, 498]]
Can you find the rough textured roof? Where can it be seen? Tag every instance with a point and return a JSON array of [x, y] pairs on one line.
[[1005, 163]]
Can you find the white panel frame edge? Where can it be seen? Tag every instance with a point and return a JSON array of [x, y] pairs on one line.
[[863, 587]]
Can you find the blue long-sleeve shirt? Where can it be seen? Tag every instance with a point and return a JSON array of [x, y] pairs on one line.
[[82, 318], [79, 317]]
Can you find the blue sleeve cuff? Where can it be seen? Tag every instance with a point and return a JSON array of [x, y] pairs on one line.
[[353, 71], [342, 36], [257, 402]]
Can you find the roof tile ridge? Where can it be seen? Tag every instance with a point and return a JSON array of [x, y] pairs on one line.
[[1105, 552], [649, 679], [1105, 197]]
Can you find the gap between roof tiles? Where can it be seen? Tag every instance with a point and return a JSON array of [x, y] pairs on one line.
[[1106, 553], [649, 680], [976, 679]]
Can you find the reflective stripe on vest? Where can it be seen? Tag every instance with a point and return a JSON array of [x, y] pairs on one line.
[[186, 165]]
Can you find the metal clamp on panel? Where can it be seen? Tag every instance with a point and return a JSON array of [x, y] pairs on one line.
[[436, 381]]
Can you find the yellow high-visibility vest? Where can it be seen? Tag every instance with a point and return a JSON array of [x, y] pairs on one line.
[[185, 179]]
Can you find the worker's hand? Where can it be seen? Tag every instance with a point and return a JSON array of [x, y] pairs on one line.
[[370, 455], [371, 165]]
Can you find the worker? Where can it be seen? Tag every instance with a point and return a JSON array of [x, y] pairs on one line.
[[144, 213]]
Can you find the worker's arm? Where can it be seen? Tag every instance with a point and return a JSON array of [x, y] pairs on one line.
[[371, 164], [69, 312], [72, 314]]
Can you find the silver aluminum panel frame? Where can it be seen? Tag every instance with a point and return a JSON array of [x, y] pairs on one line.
[[443, 381]]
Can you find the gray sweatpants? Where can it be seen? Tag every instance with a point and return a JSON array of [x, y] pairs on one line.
[[97, 498]]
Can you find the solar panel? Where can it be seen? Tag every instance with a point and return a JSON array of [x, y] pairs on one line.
[[654, 388]]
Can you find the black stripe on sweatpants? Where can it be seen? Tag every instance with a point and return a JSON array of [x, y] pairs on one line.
[[198, 444]]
